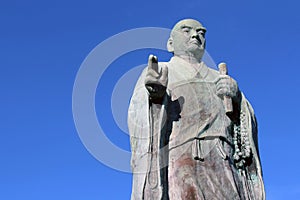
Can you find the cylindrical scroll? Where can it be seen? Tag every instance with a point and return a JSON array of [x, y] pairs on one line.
[[227, 101]]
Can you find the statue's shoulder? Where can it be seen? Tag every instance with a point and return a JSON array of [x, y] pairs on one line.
[[212, 71], [160, 64]]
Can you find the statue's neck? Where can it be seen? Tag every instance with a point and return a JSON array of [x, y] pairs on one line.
[[190, 58]]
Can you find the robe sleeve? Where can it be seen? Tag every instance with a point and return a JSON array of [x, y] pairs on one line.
[[138, 126], [139, 117], [253, 170]]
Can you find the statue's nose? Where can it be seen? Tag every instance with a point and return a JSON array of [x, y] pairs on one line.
[[194, 35]]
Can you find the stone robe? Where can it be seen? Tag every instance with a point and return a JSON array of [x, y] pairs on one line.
[[182, 147]]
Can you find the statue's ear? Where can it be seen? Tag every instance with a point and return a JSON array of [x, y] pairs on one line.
[[170, 45]]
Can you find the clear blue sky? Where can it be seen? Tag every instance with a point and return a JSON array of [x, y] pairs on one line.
[[42, 46]]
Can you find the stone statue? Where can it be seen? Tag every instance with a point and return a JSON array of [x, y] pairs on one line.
[[193, 133]]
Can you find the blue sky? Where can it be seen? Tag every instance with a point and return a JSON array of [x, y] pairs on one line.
[[43, 44]]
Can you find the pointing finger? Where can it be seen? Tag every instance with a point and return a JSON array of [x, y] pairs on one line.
[[152, 63]]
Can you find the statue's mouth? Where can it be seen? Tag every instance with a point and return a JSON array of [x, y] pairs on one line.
[[195, 41]]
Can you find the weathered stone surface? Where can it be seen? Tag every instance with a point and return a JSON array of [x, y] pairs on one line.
[[187, 140]]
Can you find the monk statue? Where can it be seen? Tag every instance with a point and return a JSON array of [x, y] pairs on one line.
[[193, 133]]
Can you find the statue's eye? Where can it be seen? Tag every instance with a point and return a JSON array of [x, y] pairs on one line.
[[201, 32], [186, 30]]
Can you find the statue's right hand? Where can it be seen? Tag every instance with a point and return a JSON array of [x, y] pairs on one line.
[[155, 81]]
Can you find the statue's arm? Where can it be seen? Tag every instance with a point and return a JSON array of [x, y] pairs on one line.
[[156, 80], [227, 86], [147, 99]]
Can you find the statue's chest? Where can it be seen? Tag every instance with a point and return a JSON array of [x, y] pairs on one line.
[[194, 98]]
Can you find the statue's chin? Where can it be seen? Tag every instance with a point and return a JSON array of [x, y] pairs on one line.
[[196, 52], [192, 53]]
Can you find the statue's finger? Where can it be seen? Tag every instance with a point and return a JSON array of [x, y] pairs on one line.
[[164, 72], [152, 63], [221, 85], [221, 78]]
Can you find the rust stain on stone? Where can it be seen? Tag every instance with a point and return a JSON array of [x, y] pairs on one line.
[[185, 161], [189, 194]]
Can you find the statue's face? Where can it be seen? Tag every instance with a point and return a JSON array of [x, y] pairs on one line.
[[188, 37]]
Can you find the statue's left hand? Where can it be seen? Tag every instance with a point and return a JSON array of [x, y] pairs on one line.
[[226, 86]]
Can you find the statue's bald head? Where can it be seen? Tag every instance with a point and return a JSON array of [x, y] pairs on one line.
[[187, 39]]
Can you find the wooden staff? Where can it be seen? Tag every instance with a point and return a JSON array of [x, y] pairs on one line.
[[227, 101]]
